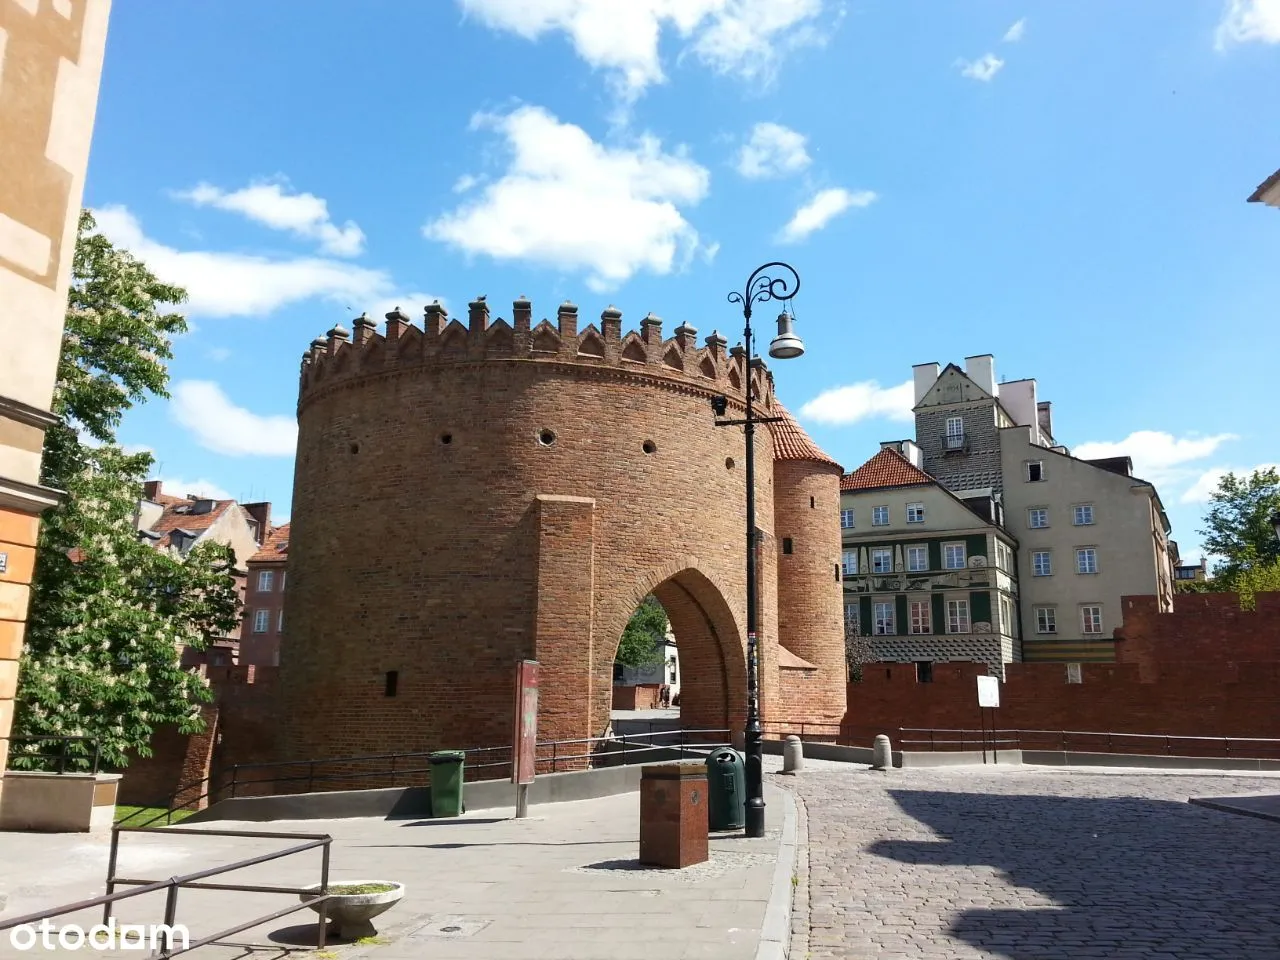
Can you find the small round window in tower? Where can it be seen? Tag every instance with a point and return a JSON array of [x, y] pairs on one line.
[[546, 437], [649, 447], [446, 438], [728, 463], [355, 448]]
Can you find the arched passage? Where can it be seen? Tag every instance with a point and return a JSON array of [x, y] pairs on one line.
[[713, 675]]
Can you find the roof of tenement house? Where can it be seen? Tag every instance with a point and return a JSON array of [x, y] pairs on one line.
[[275, 547], [888, 468], [176, 518], [790, 442], [1264, 187]]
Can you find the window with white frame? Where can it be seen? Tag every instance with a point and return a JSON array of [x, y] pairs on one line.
[[1091, 619], [883, 614], [849, 563], [266, 579], [1041, 563], [1086, 560], [921, 618], [846, 519], [261, 620], [1035, 471], [957, 616], [882, 560], [879, 516], [1082, 514], [1007, 625], [917, 559], [955, 433], [915, 513], [1038, 518], [1046, 620], [953, 556], [851, 619]]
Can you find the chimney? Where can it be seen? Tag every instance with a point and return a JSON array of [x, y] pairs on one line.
[[262, 513], [982, 371], [1044, 413], [151, 490], [926, 374]]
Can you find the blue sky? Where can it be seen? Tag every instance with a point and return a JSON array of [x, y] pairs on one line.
[[1062, 185]]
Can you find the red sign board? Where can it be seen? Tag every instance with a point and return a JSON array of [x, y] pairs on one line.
[[524, 739]]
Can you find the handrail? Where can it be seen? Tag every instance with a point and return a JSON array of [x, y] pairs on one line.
[[1020, 736], [192, 881]]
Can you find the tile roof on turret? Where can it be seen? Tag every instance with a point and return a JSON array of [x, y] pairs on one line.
[[888, 468], [790, 442]]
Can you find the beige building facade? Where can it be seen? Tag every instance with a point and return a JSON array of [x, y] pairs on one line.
[[1088, 531], [928, 575], [51, 54]]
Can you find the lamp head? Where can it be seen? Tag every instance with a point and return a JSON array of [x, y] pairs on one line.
[[786, 345]]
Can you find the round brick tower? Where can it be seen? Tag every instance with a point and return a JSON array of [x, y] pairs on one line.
[[806, 507], [469, 496]]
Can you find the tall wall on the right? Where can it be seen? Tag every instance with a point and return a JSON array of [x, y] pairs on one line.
[[1202, 628]]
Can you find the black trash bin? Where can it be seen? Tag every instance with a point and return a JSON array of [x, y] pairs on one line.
[[726, 790], [446, 783]]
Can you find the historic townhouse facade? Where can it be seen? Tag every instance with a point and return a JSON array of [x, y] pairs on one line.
[[1088, 531], [928, 575]]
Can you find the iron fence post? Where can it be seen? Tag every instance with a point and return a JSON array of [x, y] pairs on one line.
[[111, 872], [171, 903], [62, 757], [555, 750], [97, 756], [235, 775], [324, 890]]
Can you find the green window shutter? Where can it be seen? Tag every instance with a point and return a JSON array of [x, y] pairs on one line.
[[980, 606], [864, 616], [900, 614], [976, 546], [935, 555], [939, 613]]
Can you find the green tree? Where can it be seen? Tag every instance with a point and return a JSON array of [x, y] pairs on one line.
[[109, 614], [644, 631], [1238, 525]]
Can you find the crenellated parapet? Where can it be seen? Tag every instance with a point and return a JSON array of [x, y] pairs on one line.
[[343, 357]]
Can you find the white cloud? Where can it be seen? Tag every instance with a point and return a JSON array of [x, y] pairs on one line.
[[825, 206], [984, 68], [268, 202], [218, 354], [570, 203], [465, 183], [744, 38], [1207, 483], [1015, 33], [219, 425], [1156, 455], [841, 406], [238, 285], [772, 151], [1245, 21], [177, 487]]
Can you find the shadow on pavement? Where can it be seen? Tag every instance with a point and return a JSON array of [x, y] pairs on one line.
[[1130, 877]]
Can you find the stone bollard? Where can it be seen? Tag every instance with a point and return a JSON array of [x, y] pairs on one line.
[[673, 815], [792, 755], [882, 754]]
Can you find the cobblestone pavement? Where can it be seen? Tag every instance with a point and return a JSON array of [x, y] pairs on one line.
[[1032, 864]]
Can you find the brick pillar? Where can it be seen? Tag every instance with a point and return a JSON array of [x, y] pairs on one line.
[[563, 632], [197, 763]]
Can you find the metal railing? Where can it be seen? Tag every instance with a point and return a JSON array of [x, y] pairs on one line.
[[411, 769], [194, 881], [90, 755], [814, 730], [1093, 741]]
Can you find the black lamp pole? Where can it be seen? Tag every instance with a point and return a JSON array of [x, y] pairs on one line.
[[759, 289]]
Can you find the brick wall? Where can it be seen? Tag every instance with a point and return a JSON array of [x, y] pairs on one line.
[[1204, 628], [570, 473], [639, 696], [1216, 699]]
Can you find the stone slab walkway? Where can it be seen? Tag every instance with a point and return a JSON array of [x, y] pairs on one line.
[[562, 883], [1030, 863]]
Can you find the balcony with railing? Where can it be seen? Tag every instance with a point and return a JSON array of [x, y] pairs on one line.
[[955, 443]]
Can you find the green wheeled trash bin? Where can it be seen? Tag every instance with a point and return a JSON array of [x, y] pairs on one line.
[[446, 783], [726, 790]]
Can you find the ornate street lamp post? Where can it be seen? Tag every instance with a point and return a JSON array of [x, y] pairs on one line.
[[761, 287]]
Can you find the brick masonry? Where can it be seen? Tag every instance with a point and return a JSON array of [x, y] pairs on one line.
[[1201, 628], [467, 496]]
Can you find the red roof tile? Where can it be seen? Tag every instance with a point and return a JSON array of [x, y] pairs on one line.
[[790, 442], [275, 547], [888, 468], [176, 517]]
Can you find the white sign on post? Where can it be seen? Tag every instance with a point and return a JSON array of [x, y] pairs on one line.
[[988, 692]]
